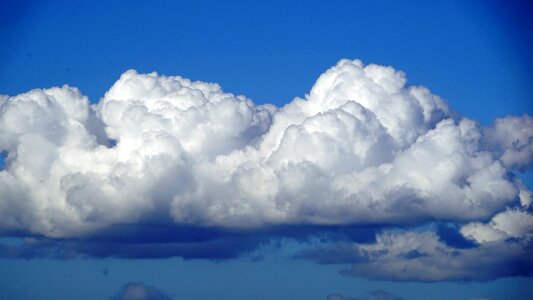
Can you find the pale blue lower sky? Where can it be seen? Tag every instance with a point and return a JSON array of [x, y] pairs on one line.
[[276, 277]]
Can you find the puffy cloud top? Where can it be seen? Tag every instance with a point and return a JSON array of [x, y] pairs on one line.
[[362, 147]]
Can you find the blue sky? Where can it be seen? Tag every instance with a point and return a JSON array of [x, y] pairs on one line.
[[474, 54]]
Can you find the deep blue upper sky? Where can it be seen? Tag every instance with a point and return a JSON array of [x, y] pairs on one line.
[[475, 54]]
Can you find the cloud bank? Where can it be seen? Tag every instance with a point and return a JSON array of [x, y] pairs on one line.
[[362, 148]]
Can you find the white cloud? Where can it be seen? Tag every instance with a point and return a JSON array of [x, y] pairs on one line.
[[415, 255], [514, 135], [503, 249], [362, 147], [513, 223]]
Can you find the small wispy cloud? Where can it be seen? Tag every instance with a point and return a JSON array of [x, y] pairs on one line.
[[372, 295], [139, 291]]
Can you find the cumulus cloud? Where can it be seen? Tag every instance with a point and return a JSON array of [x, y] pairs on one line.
[[501, 247], [422, 256], [513, 136], [513, 223], [361, 148], [139, 291]]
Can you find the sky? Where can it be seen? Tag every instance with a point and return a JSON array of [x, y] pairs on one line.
[[266, 150]]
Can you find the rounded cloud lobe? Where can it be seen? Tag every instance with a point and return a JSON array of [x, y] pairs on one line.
[[361, 148]]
